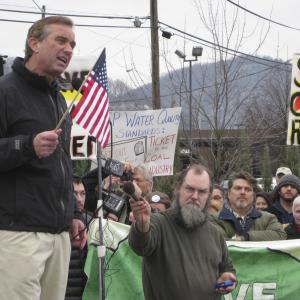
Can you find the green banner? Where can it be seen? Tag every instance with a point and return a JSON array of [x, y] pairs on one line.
[[265, 270]]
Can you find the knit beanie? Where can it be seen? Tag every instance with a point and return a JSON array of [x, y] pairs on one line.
[[266, 196], [289, 179]]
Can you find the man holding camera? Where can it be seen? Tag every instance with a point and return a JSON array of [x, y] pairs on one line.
[[143, 178], [143, 182], [184, 256]]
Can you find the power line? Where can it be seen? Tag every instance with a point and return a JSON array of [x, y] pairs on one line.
[[240, 56], [262, 17], [78, 25], [76, 15], [116, 17], [110, 26], [218, 45], [37, 6], [16, 21]]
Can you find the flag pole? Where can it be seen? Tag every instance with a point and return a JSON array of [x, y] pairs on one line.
[[78, 92], [67, 111], [101, 247]]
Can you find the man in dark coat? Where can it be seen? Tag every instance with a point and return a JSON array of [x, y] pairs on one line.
[[285, 192], [38, 213]]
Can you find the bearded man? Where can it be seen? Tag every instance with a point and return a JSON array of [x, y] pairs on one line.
[[240, 220], [285, 192], [184, 255]]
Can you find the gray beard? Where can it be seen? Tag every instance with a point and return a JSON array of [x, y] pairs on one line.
[[192, 215]]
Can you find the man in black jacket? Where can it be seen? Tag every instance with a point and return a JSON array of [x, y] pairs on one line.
[[37, 205], [77, 277], [285, 192]]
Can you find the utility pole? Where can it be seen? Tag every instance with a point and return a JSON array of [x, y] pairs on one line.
[[43, 11], [154, 55], [2, 62]]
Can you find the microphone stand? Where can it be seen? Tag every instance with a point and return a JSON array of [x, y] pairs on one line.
[[101, 248]]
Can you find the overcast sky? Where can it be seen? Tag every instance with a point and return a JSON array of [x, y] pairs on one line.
[[128, 49]]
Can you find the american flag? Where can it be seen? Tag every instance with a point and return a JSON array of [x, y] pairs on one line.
[[92, 112]]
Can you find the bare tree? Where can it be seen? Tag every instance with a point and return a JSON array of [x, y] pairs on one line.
[[267, 113], [226, 91]]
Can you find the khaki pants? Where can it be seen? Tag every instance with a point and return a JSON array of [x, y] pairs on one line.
[[33, 266]]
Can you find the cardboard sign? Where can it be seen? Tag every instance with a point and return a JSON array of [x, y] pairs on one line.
[[147, 137]]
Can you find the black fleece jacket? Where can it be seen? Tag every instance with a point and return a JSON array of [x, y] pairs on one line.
[[35, 194]]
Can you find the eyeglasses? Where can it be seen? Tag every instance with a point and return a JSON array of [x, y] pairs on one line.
[[200, 192]]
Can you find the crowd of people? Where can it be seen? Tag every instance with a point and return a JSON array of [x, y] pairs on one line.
[[160, 227], [45, 209]]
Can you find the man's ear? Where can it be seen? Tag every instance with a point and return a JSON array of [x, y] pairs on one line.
[[34, 44]]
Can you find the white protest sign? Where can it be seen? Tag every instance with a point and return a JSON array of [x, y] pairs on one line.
[[138, 137], [160, 127]]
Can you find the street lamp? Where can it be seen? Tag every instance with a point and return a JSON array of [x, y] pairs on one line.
[[197, 51]]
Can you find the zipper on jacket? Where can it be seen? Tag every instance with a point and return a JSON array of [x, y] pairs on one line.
[[64, 180], [61, 214], [61, 112]]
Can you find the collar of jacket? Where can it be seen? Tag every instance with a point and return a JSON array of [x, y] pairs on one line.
[[226, 214], [34, 79], [279, 207]]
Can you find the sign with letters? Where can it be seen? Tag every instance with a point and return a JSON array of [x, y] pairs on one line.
[[147, 137], [139, 137], [156, 131], [293, 133], [265, 270]]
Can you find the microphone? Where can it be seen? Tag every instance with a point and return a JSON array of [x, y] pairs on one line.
[[129, 189]]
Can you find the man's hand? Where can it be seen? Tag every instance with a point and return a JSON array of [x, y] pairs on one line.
[[237, 237], [137, 190], [78, 234], [45, 143], [112, 217], [224, 277], [113, 180], [141, 212], [128, 167]]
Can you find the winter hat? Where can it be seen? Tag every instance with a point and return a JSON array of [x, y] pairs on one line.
[[266, 196], [284, 171], [289, 180]]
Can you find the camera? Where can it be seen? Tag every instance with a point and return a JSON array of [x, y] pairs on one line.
[[116, 168], [108, 167], [113, 203]]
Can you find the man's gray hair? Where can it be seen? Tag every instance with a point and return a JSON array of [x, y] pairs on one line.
[[39, 30], [195, 168], [142, 169], [296, 202]]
